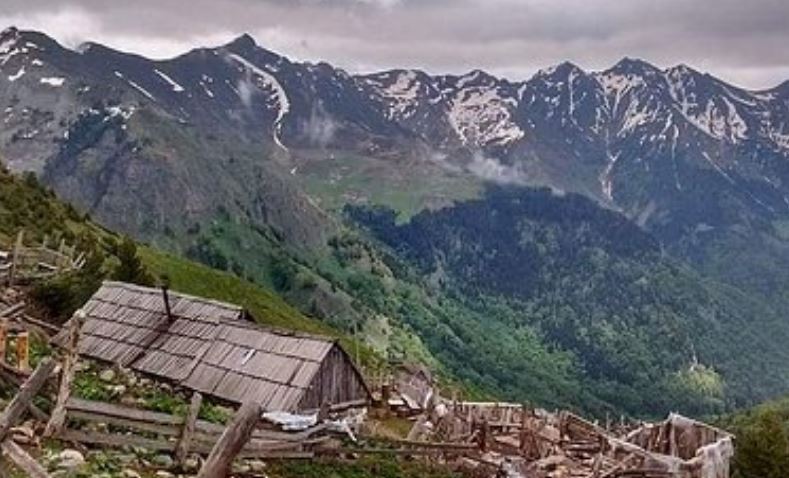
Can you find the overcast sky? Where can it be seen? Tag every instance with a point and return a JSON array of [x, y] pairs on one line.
[[743, 41]]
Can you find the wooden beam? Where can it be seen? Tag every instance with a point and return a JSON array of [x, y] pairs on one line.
[[23, 351], [58, 418], [22, 460], [182, 449], [386, 451], [3, 338], [10, 311], [431, 445], [14, 410], [230, 443], [166, 424], [15, 256], [253, 449]]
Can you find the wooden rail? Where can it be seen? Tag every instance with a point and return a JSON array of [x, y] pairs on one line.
[[37, 262], [262, 444]]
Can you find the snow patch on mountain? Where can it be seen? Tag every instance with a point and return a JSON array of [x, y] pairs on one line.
[[134, 85], [268, 81], [481, 116], [19, 74], [124, 112], [401, 94], [53, 81], [616, 86], [606, 177], [176, 87], [718, 119], [780, 139]]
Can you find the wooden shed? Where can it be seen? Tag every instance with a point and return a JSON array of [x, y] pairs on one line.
[[216, 349]]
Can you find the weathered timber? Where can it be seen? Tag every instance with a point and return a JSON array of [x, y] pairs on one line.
[[182, 450], [44, 326], [137, 425], [13, 412], [165, 424], [385, 451], [230, 443], [13, 309], [115, 440], [23, 351], [252, 449], [433, 445], [15, 257], [22, 460], [70, 358], [3, 338]]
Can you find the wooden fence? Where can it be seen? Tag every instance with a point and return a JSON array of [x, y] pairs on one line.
[[171, 431], [25, 263]]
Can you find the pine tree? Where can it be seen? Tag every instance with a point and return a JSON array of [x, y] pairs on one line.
[[131, 269]]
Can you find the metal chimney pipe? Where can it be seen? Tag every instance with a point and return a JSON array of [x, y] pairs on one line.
[[166, 298]]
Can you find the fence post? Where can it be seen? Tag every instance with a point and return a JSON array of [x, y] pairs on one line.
[[58, 418], [231, 442], [182, 449], [15, 256], [3, 338], [23, 351], [13, 411]]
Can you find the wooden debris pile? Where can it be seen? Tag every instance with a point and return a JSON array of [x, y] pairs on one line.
[[409, 391], [27, 263], [516, 441]]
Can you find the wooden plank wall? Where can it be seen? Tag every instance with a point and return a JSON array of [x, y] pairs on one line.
[[337, 382]]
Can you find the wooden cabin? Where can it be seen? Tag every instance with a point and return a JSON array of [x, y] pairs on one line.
[[217, 349]]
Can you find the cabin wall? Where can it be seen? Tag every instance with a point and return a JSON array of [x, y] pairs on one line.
[[336, 382]]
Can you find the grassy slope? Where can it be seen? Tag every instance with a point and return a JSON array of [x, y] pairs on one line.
[[407, 187], [196, 279], [24, 204]]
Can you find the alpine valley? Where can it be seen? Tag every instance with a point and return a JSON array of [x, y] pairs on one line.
[[613, 241]]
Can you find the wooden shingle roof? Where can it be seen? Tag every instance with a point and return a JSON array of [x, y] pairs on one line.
[[204, 345]]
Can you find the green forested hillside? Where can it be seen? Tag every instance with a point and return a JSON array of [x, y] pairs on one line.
[[637, 330], [521, 295]]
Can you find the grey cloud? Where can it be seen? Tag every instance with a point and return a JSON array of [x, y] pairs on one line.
[[741, 41]]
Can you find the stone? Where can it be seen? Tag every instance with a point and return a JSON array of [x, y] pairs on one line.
[[107, 375], [128, 401], [164, 461], [117, 390], [70, 459], [23, 434], [126, 459], [192, 464], [256, 466], [164, 474], [129, 473], [242, 468]]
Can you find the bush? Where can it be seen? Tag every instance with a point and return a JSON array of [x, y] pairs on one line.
[[762, 448]]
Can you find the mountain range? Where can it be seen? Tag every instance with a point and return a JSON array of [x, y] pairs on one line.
[[659, 196]]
